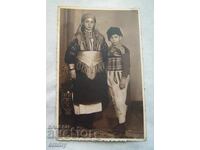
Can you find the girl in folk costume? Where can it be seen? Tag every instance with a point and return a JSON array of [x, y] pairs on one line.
[[86, 57]]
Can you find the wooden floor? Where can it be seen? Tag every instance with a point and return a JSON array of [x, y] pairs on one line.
[[107, 120]]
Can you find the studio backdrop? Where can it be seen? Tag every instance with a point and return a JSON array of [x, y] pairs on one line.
[[128, 21]]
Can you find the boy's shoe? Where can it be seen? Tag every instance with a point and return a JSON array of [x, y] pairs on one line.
[[119, 130]]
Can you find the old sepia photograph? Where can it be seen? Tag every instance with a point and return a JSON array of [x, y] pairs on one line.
[[100, 91]]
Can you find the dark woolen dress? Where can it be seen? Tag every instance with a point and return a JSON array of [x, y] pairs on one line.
[[88, 90]]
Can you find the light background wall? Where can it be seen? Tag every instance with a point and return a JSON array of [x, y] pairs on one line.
[[127, 20]]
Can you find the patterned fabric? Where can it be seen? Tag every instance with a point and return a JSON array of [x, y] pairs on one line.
[[86, 91], [114, 63], [89, 40], [119, 59], [90, 63]]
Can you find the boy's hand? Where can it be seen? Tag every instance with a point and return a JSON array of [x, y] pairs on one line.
[[73, 74], [122, 83]]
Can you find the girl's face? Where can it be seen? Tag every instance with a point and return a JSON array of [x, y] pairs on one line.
[[115, 39], [89, 24]]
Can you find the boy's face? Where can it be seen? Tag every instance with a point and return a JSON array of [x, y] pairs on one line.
[[115, 39], [89, 24]]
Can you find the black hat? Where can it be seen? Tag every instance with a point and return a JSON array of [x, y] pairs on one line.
[[113, 30]]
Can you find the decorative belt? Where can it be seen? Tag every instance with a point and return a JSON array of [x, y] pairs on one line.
[[90, 62]]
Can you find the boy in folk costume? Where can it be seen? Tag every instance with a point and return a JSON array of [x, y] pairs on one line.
[[86, 56], [118, 72]]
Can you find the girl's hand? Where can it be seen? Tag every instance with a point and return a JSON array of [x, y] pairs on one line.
[[122, 83], [73, 74]]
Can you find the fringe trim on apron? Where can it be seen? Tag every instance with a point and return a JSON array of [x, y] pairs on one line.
[[90, 71], [90, 62]]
